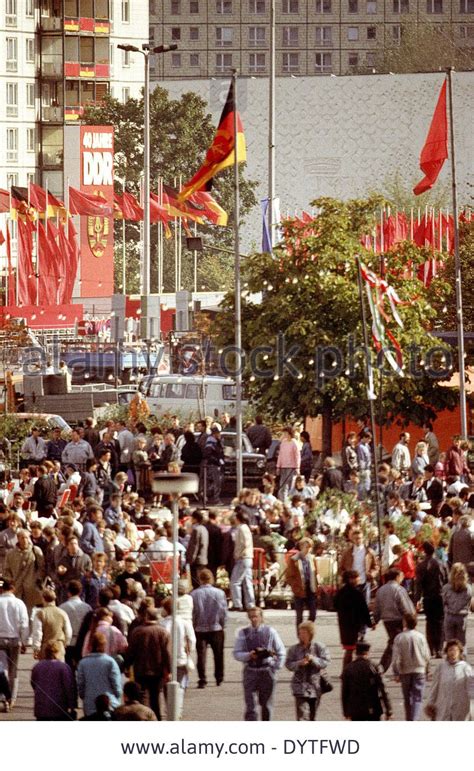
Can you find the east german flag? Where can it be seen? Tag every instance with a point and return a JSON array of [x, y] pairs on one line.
[[221, 153]]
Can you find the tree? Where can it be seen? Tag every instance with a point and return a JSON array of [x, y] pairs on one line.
[[310, 296], [424, 48], [181, 131], [400, 196], [447, 311]]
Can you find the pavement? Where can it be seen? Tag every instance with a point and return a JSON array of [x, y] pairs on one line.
[[226, 702]]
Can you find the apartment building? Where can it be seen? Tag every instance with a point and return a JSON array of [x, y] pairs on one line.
[[58, 56], [313, 37]]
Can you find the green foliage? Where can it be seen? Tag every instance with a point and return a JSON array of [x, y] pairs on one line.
[[399, 194], [404, 529], [310, 295], [181, 132], [424, 48], [16, 430], [466, 254]]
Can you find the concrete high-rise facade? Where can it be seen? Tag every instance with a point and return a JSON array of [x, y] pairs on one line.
[[313, 37]]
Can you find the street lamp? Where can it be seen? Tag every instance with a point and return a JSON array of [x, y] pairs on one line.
[[146, 51], [175, 485]]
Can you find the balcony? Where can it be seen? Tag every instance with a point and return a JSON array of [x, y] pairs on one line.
[[72, 114], [87, 26], [52, 114], [51, 24], [52, 68], [86, 70]]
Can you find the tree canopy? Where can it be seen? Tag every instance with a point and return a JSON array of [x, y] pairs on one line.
[[309, 295]]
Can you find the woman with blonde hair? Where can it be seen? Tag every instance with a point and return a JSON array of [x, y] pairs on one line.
[[457, 599], [421, 459]]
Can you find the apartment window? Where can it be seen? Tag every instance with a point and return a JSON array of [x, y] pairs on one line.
[[223, 62], [12, 181], [126, 11], [224, 36], [125, 58], [30, 94], [290, 36], [466, 6], [125, 94], [323, 65], [396, 33], [371, 6], [12, 100], [175, 33], [323, 36], [30, 140], [224, 6], [30, 8], [194, 33], [12, 54], [256, 62], [353, 6], [290, 6], [434, 6], [291, 62], [12, 145], [256, 36], [194, 60], [176, 60], [175, 7], [194, 6], [323, 6], [353, 59], [466, 31], [257, 6], [11, 13], [371, 33], [353, 33], [370, 59], [30, 49], [401, 6]]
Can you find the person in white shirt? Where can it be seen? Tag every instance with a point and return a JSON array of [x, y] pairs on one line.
[[14, 633], [388, 557], [186, 645], [401, 459]]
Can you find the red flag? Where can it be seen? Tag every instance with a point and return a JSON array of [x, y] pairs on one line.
[[435, 149], [48, 265], [85, 203], [4, 201], [26, 274], [210, 208], [11, 275], [131, 208], [68, 246]]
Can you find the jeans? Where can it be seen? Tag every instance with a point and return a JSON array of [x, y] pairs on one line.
[[287, 476], [216, 641], [413, 686], [393, 627], [11, 647], [213, 484], [455, 627], [306, 707], [434, 613], [300, 603], [153, 685], [258, 684], [241, 584]]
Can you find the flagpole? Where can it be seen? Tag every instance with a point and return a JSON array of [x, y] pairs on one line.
[[124, 255], [457, 264], [238, 299], [368, 365], [271, 125]]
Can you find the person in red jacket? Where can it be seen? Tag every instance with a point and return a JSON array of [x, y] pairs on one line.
[[406, 563]]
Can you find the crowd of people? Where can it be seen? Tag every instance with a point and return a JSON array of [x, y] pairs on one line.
[[86, 555]]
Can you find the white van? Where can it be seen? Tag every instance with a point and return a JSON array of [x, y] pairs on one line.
[[190, 395]]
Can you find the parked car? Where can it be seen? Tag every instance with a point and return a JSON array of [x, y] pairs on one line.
[[52, 421], [253, 463], [196, 395]]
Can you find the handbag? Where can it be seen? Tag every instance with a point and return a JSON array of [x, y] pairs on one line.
[[325, 684]]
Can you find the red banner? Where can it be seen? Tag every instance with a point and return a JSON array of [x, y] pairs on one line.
[[97, 232]]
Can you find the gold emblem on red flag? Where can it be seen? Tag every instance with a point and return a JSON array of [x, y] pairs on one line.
[[98, 234]]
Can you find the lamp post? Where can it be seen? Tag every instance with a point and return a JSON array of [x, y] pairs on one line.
[[175, 485], [145, 293]]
